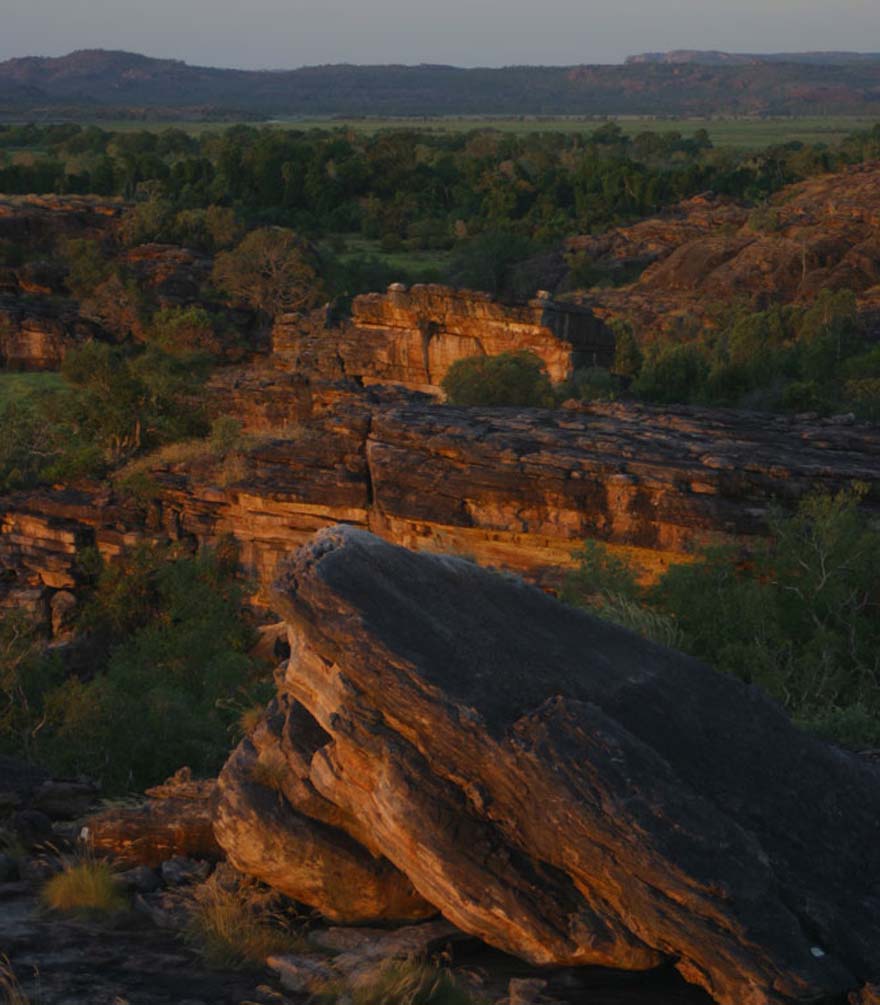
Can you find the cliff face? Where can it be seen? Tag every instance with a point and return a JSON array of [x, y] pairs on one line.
[[516, 489], [36, 334], [37, 220], [412, 337]]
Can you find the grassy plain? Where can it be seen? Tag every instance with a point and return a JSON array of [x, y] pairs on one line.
[[742, 133]]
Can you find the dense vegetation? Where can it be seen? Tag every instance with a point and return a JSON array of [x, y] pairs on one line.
[[112, 404], [403, 188], [165, 673], [813, 358], [797, 614]]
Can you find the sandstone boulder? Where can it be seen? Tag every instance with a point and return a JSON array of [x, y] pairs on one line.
[[175, 821], [274, 825], [562, 789]]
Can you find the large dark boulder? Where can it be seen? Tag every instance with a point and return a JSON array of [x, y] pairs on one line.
[[564, 789]]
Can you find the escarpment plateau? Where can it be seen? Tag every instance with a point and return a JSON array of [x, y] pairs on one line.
[[551, 783], [515, 489]]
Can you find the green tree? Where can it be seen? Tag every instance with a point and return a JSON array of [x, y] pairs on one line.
[[511, 378]]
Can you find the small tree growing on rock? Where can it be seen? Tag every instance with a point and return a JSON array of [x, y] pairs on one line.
[[270, 270], [511, 378]]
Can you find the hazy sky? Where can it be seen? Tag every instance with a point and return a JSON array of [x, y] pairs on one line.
[[289, 33]]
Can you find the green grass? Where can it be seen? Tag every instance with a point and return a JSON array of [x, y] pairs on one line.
[[414, 263], [15, 387], [741, 133]]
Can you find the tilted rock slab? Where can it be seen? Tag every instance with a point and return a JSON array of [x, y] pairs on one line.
[[563, 789]]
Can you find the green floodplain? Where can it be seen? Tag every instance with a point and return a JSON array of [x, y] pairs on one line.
[[742, 133]]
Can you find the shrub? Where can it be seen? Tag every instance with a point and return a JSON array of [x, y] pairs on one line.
[[592, 383], [512, 378], [87, 267], [84, 884], [187, 331], [599, 574], [170, 652], [231, 928], [798, 614], [672, 374]]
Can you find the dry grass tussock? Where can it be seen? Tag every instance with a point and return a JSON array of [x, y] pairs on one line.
[[231, 928], [84, 884], [401, 982]]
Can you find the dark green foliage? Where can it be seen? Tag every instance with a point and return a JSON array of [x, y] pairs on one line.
[[170, 671], [672, 373], [798, 614], [408, 189], [792, 358], [88, 266], [489, 263], [114, 404], [628, 357], [511, 378]]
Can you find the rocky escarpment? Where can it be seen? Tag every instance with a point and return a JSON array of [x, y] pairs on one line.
[[515, 489], [35, 334], [819, 234], [412, 337], [557, 786], [40, 220]]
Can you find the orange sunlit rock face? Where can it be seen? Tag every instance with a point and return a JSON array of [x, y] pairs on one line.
[[519, 490], [553, 784]]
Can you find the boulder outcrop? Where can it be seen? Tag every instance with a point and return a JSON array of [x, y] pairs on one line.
[[817, 235], [40, 220], [412, 336], [36, 334], [560, 788]]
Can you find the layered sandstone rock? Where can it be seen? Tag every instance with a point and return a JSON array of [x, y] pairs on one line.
[[40, 220], [176, 819], [175, 275], [412, 337], [260, 821], [819, 234], [36, 334], [516, 489], [560, 788]]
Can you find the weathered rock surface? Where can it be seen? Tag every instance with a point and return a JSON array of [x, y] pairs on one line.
[[36, 334], [176, 821], [515, 489], [567, 791], [819, 234], [262, 823], [39, 220], [412, 337]]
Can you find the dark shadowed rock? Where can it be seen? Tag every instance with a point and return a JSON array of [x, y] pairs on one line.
[[566, 791]]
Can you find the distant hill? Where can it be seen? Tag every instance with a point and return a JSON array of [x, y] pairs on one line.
[[713, 57], [101, 82]]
